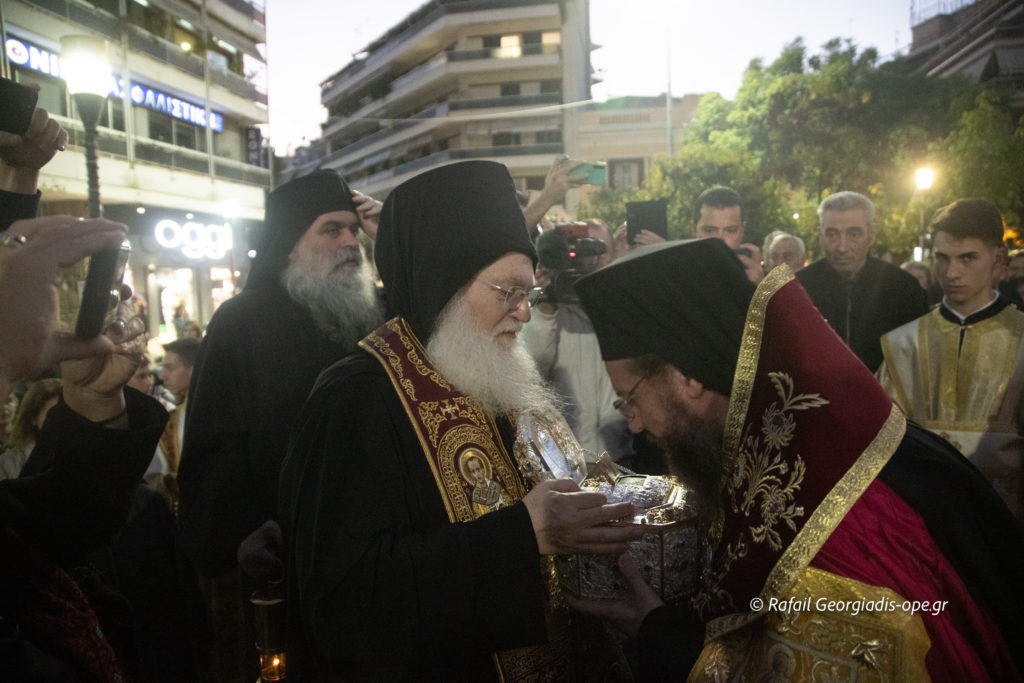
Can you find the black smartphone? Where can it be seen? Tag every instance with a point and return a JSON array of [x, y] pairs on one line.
[[17, 103], [646, 215], [102, 289]]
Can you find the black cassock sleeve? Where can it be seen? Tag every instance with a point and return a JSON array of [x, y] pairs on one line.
[[386, 587], [76, 489]]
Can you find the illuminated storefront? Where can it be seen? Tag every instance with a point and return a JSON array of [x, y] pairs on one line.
[[184, 265]]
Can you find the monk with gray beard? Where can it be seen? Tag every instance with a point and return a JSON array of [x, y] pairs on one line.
[[309, 298], [416, 549]]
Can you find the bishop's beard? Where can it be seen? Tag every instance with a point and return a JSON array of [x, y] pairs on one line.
[[500, 380], [693, 448], [338, 291]]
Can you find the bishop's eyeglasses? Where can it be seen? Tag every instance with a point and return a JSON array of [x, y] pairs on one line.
[[623, 403], [513, 297]]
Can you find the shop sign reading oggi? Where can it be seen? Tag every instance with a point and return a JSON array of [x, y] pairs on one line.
[[195, 240]]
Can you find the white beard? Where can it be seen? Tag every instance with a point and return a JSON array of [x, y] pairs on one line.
[[342, 300], [500, 380]]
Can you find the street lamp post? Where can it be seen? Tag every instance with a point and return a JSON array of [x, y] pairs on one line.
[[924, 178], [86, 71]]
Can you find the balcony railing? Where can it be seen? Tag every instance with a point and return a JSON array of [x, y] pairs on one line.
[[455, 154], [508, 101], [142, 41], [83, 15], [164, 51], [503, 52], [427, 14], [421, 73], [114, 143], [433, 111], [253, 10]]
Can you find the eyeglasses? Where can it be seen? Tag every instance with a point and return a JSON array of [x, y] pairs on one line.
[[514, 297], [623, 404]]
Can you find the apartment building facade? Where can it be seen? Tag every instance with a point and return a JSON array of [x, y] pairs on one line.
[[180, 151], [980, 39], [458, 79], [506, 80]]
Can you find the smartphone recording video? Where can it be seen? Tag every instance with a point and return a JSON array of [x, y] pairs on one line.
[[101, 291], [17, 104], [646, 215]]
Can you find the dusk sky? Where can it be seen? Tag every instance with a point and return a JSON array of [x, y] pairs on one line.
[[711, 44]]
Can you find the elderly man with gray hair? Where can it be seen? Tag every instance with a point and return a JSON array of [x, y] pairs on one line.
[[785, 248], [861, 296]]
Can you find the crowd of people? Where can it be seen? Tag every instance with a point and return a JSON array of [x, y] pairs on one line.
[[351, 436]]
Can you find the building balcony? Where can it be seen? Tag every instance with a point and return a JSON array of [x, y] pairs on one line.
[[507, 101], [449, 155], [114, 143], [518, 158], [146, 43], [83, 15], [440, 20], [439, 73], [429, 119]]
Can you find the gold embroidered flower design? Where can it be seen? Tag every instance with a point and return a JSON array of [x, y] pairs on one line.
[[777, 427], [773, 505], [772, 479]]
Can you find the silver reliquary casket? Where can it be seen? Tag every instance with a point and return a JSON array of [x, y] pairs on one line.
[[668, 551]]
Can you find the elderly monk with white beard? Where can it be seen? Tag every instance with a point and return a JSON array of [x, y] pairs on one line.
[[392, 573], [310, 297]]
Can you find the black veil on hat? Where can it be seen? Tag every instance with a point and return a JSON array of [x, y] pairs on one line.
[[440, 229], [684, 301], [291, 209]]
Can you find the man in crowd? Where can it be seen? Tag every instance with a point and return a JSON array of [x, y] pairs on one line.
[[394, 573], [861, 296], [718, 212], [788, 249], [179, 362], [561, 341], [810, 487], [959, 370], [309, 298]]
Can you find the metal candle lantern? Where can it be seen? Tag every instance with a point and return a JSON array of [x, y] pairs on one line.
[[270, 633]]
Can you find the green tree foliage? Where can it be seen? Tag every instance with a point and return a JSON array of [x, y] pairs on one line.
[[983, 156], [806, 126]]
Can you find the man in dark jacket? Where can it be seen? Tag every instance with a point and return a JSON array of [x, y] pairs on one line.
[[861, 296], [309, 298]]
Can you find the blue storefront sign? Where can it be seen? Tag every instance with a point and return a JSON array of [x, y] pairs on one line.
[[25, 54]]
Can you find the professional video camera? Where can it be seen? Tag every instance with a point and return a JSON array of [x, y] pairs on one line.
[[569, 253]]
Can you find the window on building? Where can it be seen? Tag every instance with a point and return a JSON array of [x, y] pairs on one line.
[[551, 85], [218, 60], [161, 127], [112, 114], [505, 139], [550, 41], [548, 136], [508, 89], [532, 38], [511, 47], [185, 39], [492, 41], [52, 92], [625, 174], [185, 134]]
